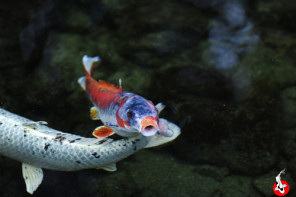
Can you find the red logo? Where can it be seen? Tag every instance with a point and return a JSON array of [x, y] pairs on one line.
[[280, 187], [286, 189]]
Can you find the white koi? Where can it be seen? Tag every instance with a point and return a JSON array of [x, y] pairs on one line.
[[38, 146]]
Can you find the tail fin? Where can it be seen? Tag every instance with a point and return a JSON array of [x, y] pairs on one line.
[[89, 63]]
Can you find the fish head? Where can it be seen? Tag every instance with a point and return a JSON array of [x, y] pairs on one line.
[[139, 115]]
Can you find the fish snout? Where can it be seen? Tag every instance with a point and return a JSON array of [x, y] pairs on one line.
[[149, 126]]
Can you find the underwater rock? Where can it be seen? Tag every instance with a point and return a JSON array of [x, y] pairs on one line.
[[288, 97], [291, 167], [32, 37], [8, 180], [237, 186], [274, 15], [216, 128], [161, 174], [288, 145], [230, 36], [265, 182]]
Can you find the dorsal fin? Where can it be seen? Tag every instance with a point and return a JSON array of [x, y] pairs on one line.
[[109, 86]]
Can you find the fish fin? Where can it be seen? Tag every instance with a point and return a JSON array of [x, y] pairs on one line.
[[89, 63], [157, 140], [110, 167], [34, 124], [159, 107], [102, 131], [33, 177], [109, 86], [120, 84], [81, 82], [94, 113], [124, 132], [42, 122]]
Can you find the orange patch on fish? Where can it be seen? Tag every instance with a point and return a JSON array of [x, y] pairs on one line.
[[148, 121], [102, 131]]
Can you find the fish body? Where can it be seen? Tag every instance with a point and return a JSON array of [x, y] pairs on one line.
[[39, 146], [124, 113]]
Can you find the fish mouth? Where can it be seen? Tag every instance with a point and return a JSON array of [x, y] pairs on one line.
[[149, 126]]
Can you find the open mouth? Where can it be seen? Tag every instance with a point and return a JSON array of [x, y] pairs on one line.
[[149, 126], [149, 130]]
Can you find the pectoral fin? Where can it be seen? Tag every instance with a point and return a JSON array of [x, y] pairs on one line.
[[159, 107], [110, 167], [94, 113], [33, 177], [102, 132], [81, 82]]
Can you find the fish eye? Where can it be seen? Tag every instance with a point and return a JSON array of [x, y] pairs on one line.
[[129, 114]]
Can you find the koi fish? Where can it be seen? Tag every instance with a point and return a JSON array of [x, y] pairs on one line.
[[124, 113], [38, 146]]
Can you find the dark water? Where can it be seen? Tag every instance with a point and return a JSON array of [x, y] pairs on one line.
[[225, 70]]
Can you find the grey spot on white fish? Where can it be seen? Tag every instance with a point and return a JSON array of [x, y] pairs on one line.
[[46, 146], [95, 154], [102, 141], [59, 138]]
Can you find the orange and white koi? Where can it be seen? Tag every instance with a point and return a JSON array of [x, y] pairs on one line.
[[124, 113]]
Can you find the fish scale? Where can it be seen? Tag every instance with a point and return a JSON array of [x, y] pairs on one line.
[[36, 144]]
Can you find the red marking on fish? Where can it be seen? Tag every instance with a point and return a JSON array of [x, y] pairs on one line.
[[102, 93]]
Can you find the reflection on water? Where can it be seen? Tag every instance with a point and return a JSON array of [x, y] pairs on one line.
[[230, 35], [225, 70]]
